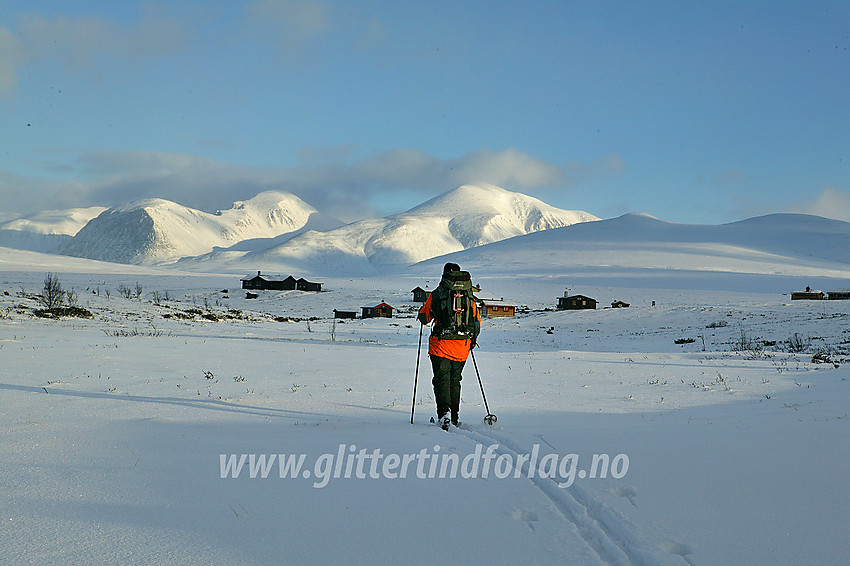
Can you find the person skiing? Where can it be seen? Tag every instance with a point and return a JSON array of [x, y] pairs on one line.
[[457, 324]]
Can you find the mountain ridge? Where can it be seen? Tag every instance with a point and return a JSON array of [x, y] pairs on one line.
[[782, 247], [156, 230], [462, 218]]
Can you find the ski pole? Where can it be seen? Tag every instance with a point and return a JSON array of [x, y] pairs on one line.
[[490, 418], [416, 377]]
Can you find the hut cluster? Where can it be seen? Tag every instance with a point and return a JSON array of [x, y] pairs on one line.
[[490, 307]]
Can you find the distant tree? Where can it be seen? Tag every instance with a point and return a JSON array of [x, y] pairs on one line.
[[52, 294]]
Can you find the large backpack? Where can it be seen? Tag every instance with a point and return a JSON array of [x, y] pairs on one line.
[[451, 305]]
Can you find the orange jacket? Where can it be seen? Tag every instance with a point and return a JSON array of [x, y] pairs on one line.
[[457, 350]]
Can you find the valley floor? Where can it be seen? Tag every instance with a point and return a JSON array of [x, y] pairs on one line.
[[122, 433]]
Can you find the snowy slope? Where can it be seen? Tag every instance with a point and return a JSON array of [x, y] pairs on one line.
[[46, 231], [468, 216], [639, 246], [157, 230]]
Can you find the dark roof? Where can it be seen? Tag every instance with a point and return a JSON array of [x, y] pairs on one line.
[[265, 277], [382, 304]]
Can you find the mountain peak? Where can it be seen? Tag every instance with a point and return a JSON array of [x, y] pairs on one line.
[[158, 230], [464, 217]]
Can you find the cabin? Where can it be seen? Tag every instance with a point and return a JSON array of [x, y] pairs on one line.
[[382, 310], [345, 314], [304, 285], [575, 302], [268, 282], [277, 283], [492, 308], [807, 294], [420, 295], [620, 305], [838, 295]]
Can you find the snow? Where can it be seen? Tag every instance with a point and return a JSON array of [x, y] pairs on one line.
[[159, 231], [465, 217], [46, 231], [766, 253], [736, 440]]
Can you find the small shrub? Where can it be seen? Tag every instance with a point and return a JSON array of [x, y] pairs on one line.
[[57, 312], [52, 294], [797, 343]]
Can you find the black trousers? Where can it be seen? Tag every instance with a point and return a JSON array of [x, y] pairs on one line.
[[446, 382]]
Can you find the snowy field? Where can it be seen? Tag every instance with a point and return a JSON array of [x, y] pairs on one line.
[[729, 447]]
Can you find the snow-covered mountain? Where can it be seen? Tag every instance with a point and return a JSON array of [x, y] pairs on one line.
[[465, 217], [158, 230], [46, 231], [638, 247]]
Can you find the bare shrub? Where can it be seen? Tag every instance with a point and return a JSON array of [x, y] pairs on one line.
[[124, 291], [797, 343], [52, 295]]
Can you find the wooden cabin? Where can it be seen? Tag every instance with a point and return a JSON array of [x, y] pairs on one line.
[[807, 294], [838, 295], [278, 283], [345, 314], [268, 282], [420, 295], [492, 308], [575, 302], [304, 285], [381, 310]]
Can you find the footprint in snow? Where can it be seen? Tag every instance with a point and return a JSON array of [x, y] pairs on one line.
[[625, 491], [527, 517]]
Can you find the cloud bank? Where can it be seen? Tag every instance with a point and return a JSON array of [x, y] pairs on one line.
[[331, 181], [80, 43]]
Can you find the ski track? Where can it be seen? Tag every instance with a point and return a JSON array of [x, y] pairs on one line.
[[610, 534]]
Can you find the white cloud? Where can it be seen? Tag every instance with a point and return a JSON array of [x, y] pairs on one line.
[[831, 203], [344, 188], [10, 59], [79, 43], [291, 23]]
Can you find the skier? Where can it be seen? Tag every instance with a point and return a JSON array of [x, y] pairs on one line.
[[456, 326]]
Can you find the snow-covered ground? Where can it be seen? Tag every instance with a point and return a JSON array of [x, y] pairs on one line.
[[727, 448]]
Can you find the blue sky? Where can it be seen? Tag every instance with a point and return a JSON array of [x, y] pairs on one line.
[[701, 112]]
